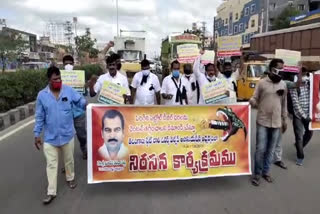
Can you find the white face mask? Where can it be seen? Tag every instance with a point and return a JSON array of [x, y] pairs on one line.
[[68, 67], [145, 72], [305, 79], [213, 78]]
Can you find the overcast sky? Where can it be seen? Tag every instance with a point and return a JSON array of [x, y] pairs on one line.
[[157, 17]]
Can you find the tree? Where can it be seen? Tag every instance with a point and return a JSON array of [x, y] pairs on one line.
[[85, 44], [11, 46], [283, 20]]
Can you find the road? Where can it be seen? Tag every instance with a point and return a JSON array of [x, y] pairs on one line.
[[23, 186]]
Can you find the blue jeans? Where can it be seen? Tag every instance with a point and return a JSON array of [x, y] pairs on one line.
[[267, 139], [302, 134]]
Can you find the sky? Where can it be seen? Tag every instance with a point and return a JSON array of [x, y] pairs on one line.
[[157, 17]]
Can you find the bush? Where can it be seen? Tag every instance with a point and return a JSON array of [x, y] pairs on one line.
[[20, 88], [90, 70]]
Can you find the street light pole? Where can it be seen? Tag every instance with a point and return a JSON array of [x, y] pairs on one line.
[[117, 18], [267, 16]]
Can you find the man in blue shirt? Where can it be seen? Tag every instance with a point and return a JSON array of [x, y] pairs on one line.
[[79, 114], [54, 115]]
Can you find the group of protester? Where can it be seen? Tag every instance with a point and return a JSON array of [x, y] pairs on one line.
[[60, 110]]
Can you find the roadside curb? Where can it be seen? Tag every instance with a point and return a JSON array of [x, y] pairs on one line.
[[16, 115]]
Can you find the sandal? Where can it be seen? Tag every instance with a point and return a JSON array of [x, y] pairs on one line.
[[268, 178], [255, 180], [72, 184]]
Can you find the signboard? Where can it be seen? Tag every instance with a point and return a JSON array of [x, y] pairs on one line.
[[215, 91], [187, 53], [315, 101], [207, 57], [185, 38], [112, 93], [229, 46], [131, 143], [291, 59], [74, 79]]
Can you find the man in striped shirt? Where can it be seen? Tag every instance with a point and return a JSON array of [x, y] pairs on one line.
[[301, 118]]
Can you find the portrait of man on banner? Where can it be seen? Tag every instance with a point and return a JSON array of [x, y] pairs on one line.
[[112, 134]]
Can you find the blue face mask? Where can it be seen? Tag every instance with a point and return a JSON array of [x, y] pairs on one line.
[[176, 73]]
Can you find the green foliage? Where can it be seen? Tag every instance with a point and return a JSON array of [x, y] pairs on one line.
[[283, 20], [11, 45], [90, 70], [21, 87], [85, 44]]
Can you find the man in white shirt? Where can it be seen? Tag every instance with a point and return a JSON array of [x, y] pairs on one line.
[[204, 74], [231, 78], [192, 87], [173, 89], [145, 86], [112, 76]]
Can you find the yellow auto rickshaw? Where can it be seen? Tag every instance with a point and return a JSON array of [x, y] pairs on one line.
[[252, 71]]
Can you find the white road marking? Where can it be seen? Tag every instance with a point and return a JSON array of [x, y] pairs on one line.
[[16, 130]]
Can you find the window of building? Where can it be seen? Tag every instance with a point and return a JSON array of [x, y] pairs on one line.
[[237, 16], [253, 8], [222, 22], [240, 28], [236, 29], [246, 40], [246, 11], [253, 23], [226, 21], [301, 7]]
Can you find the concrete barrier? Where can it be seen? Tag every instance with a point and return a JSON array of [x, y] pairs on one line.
[[14, 116], [4, 121], [32, 108], [24, 112]]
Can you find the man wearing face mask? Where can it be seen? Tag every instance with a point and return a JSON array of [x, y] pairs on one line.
[[119, 65], [145, 86], [173, 89], [192, 87], [79, 115], [270, 97], [112, 76], [54, 116], [231, 78], [301, 100]]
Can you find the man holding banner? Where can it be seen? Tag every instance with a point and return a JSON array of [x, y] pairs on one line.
[[112, 83], [79, 115], [212, 89], [54, 116]]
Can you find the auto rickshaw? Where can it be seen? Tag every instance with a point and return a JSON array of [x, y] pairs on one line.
[[252, 71]]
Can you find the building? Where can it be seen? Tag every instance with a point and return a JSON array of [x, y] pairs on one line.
[[271, 9], [46, 49], [238, 17], [249, 17], [30, 54]]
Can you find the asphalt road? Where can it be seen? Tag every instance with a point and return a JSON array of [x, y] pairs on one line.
[[23, 186]]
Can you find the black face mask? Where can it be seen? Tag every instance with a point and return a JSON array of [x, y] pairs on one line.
[[119, 66], [275, 78], [227, 73], [187, 72]]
